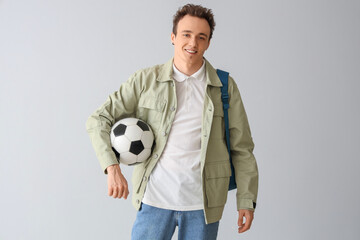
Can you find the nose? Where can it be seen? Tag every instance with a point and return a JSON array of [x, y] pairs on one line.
[[193, 42]]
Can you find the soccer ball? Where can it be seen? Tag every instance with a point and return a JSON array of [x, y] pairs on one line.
[[131, 140]]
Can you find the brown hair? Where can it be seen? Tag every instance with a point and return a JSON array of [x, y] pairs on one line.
[[195, 11]]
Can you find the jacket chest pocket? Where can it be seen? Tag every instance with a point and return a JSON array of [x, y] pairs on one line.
[[150, 109], [218, 125]]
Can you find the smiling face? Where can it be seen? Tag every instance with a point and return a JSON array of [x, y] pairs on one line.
[[191, 41]]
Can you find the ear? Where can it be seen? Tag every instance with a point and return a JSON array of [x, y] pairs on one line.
[[173, 37]]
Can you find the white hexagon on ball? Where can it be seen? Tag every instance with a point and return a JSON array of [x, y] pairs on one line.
[[133, 132], [121, 144], [128, 158], [145, 154], [147, 139]]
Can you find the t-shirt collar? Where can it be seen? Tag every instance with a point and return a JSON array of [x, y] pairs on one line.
[[180, 77]]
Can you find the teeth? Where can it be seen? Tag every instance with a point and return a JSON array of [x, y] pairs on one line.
[[191, 51]]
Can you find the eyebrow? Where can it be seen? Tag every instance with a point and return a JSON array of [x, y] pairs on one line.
[[188, 31]]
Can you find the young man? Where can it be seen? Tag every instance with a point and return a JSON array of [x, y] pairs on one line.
[[185, 181]]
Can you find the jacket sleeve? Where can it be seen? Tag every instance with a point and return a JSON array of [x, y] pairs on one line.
[[120, 104], [242, 146]]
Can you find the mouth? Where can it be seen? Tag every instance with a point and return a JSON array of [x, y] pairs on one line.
[[191, 51]]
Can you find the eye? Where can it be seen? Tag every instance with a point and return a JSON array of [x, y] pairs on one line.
[[186, 35]]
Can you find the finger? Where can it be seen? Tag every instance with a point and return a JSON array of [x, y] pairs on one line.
[[247, 223], [126, 192], [245, 227], [115, 192], [121, 191], [110, 191], [125, 189], [241, 219], [240, 224]]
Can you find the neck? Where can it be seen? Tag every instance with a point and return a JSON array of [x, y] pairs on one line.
[[187, 68]]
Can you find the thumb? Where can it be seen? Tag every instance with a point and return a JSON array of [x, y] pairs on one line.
[[241, 220]]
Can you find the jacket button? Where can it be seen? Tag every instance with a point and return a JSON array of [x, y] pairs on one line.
[[155, 155], [144, 178], [205, 135], [172, 108], [164, 133], [210, 109]]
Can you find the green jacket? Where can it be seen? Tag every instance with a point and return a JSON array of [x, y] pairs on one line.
[[150, 95]]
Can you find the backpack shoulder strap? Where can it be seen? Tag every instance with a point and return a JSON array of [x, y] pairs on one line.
[[224, 77]]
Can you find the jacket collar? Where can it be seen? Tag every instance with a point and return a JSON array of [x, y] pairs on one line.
[[211, 75], [166, 73]]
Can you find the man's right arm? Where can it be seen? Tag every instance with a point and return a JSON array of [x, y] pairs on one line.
[[120, 104]]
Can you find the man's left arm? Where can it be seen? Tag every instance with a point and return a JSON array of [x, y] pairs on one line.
[[242, 146]]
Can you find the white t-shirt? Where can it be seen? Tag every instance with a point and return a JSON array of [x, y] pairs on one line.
[[175, 182]]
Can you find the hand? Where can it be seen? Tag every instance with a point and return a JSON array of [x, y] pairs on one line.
[[249, 216], [117, 184]]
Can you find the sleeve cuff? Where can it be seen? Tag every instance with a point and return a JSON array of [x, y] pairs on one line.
[[107, 161], [246, 204]]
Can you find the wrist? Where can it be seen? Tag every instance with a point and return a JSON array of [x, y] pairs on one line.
[[113, 168]]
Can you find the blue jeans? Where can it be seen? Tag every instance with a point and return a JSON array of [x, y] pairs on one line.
[[154, 223]]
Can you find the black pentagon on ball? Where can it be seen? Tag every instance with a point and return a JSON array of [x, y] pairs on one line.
[[119, 130], [116, 154], [136, 147], [143, 125]]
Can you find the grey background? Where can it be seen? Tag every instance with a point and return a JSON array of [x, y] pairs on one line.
[[297, 64]]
